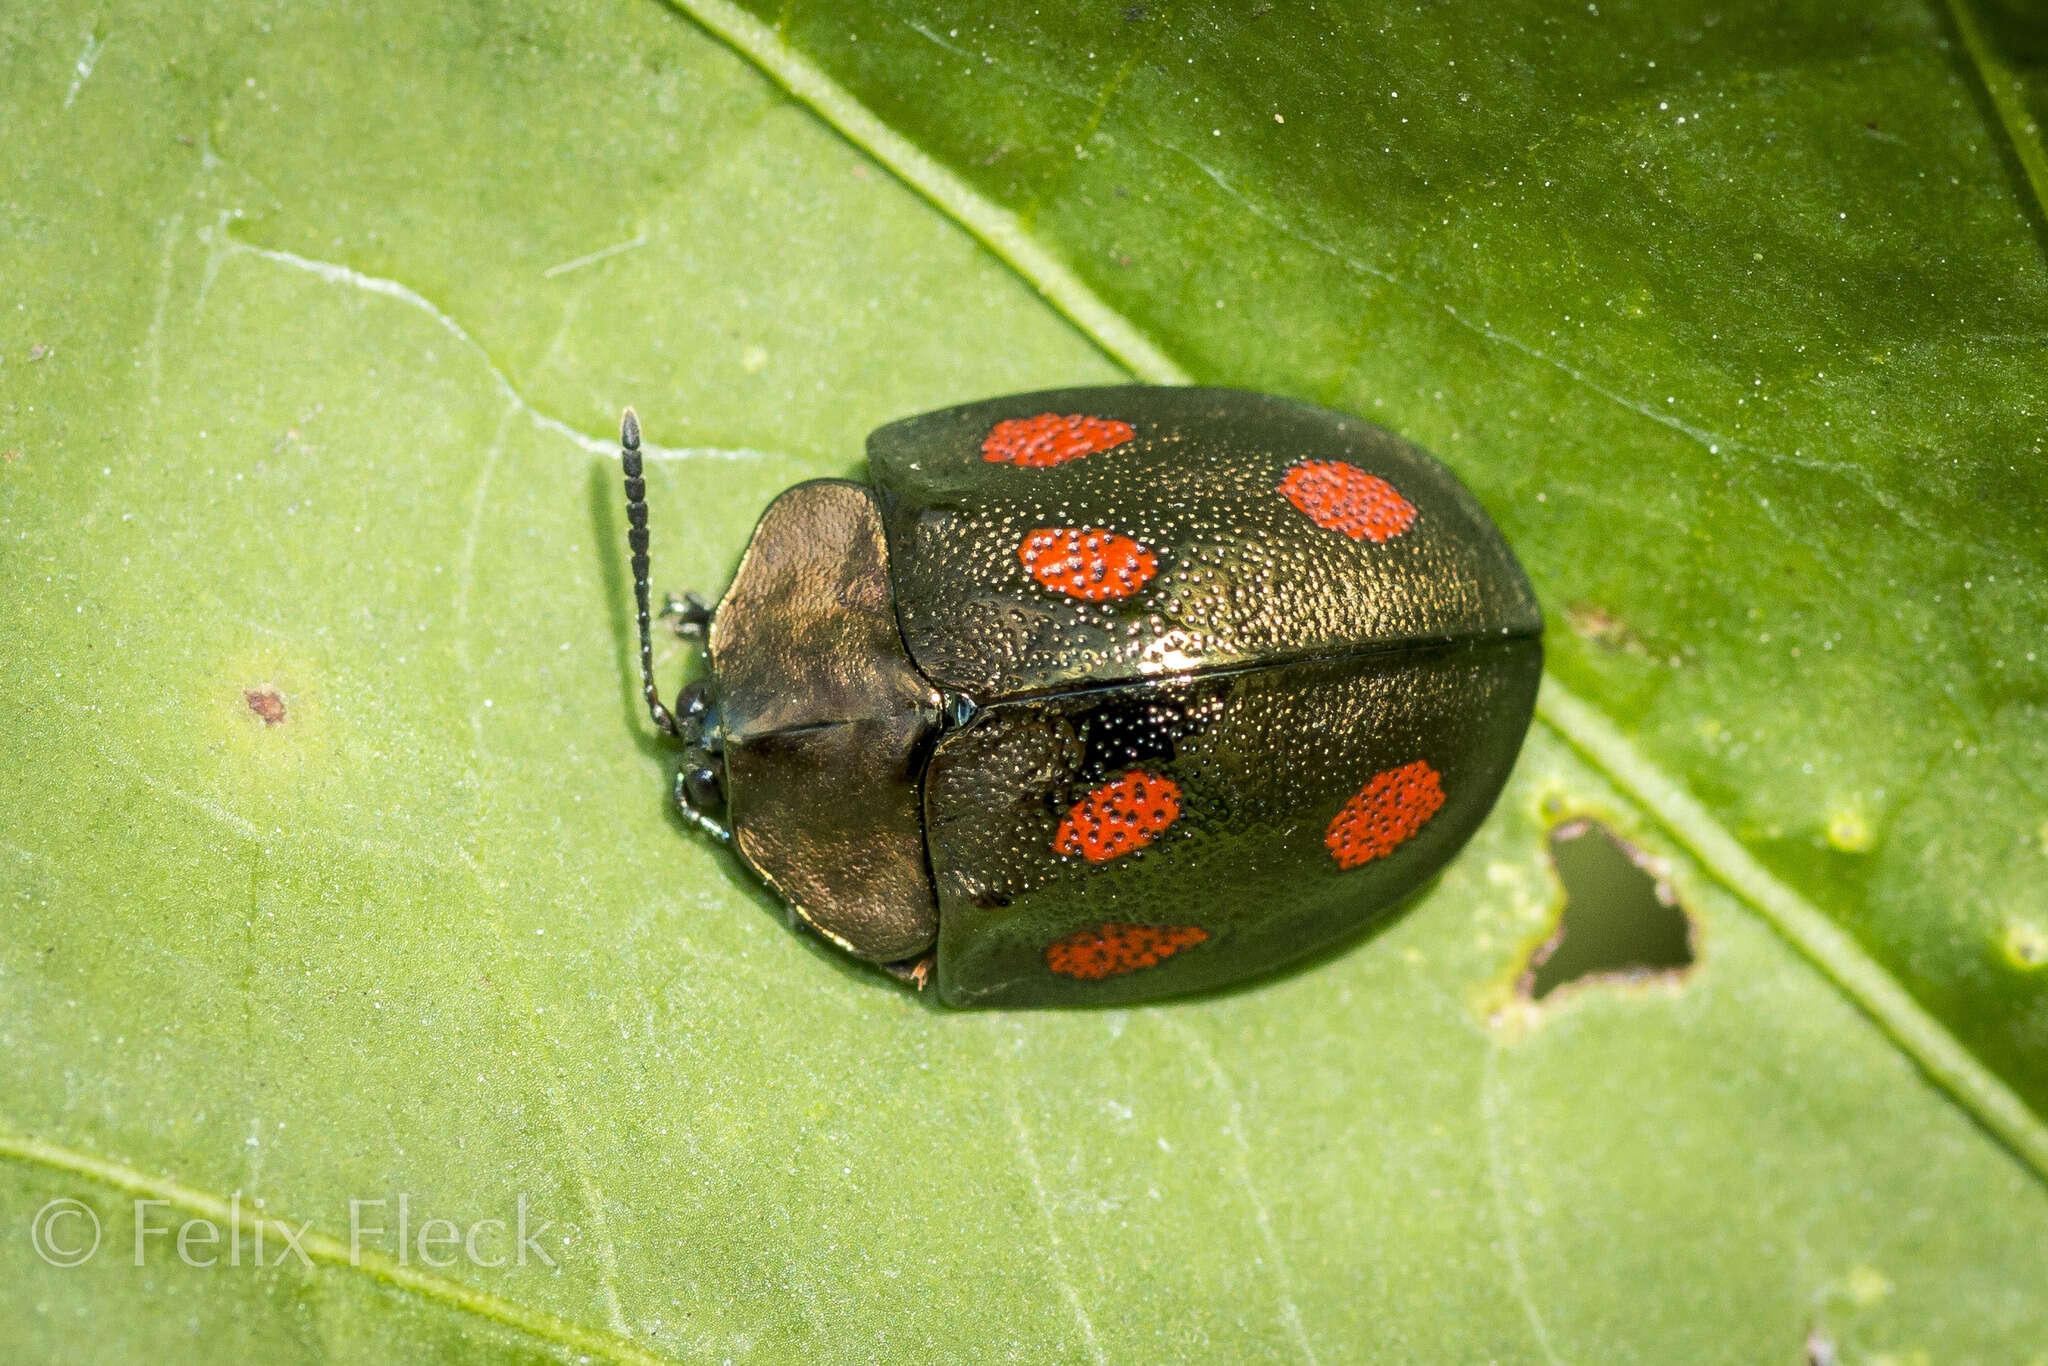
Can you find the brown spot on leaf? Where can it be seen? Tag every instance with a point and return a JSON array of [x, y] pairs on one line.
[[1590, 621], [267, 703]]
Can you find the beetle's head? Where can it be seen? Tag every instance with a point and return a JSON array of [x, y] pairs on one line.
[[805, 739]]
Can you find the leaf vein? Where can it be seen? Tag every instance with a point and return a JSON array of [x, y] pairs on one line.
[[337, 274], [1226, 1091], [1029, 1155], [1497, 1183]]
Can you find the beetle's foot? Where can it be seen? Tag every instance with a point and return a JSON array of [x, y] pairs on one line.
[[703, 820], [688, 613], [912, 972]]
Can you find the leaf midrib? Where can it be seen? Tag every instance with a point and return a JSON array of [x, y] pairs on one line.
[[1999, 80], [1866, 982]]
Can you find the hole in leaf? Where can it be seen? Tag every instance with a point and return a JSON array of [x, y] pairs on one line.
[[1621, 919]]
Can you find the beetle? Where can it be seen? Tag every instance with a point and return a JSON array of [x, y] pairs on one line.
[[1100, 695]]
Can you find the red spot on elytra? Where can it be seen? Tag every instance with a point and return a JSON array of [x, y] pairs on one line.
[[1384, 814], [1113, 950], [1345, 498], [1119, 818], [1050, 439], [1087, 562]]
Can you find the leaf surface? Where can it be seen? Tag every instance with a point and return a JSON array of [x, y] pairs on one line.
[[322, 323]]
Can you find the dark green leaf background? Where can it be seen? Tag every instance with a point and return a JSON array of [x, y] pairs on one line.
[[316, 325]]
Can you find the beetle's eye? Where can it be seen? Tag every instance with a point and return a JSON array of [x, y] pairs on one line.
[[702, 789], [960, 709], [693, 701]]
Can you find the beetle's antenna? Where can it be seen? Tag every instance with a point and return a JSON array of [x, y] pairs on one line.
[[636, 538]]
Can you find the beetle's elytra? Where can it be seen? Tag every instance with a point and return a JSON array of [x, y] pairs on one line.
[[1099, 695]]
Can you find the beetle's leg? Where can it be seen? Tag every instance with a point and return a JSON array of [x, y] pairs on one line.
[[636, 539], [704, 821], [690, 614], [913, 972]]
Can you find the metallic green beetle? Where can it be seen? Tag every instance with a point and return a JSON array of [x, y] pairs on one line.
[[1100, 695]]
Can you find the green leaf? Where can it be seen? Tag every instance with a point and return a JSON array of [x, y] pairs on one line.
[[321, 327]]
